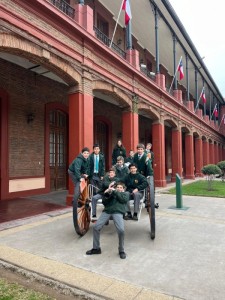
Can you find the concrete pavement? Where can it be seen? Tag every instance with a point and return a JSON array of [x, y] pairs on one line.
[[185, 261]]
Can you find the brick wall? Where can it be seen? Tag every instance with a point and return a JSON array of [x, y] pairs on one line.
[[27, 93]]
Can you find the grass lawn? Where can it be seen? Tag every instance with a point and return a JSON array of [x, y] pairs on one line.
[[200, 188], [14, 291]]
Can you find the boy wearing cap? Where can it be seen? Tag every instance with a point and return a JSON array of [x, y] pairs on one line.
[[78, 171]]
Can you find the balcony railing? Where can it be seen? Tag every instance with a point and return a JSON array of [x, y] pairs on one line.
[[64, 7], [102, 37], [149, 74]]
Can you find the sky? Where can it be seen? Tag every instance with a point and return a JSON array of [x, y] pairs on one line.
[[204, 23]]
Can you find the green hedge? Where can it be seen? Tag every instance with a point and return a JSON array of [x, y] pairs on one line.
[[211, 170]]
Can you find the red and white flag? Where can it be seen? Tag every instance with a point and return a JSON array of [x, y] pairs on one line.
[[203, 95], [126, 8], [181, 69]]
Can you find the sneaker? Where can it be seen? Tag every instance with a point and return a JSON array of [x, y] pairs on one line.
[[128, 217], [135, 218], [122, 255], [94, 218], [94, 251]]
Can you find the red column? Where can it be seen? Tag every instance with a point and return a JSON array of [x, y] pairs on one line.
[[130, 130], [198, 157], [205, 152], [176, 154], [216, 153], [189, 154], [158, 142], [80, 128], [211, 153], [221, 152]]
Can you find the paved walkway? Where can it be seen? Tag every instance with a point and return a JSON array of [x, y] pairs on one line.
[[185, 261]]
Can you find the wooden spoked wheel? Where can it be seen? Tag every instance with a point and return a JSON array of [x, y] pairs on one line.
[[151, 205], [81, 211]]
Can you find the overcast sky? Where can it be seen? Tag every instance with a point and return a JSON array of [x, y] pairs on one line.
[[204, 23]]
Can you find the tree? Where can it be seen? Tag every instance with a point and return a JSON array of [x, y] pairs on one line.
[[210, 171], [221, 165]]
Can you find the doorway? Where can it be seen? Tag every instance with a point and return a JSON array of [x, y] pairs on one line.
[[101, 138], [58, 130]]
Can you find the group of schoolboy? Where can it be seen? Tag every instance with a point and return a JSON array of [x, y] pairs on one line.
[[125, 181]]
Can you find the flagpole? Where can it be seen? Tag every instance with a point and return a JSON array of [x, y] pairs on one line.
[[116, 24], [175, 73], [198, 100], [221, 121]]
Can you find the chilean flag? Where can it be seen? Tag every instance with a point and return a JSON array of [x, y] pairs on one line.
[[203, 95], [126, 8], [180, 69]]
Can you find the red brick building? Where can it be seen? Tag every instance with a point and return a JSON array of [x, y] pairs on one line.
[[62, 87]]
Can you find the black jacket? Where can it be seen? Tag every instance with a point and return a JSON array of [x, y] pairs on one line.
[[101, 166], [118, 151], [144, 165], [135, 181], [79, 166]]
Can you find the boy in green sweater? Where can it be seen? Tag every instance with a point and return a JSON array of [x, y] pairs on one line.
[[136, 184], [114, 200]]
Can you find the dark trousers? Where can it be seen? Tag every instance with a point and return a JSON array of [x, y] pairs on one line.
[[76, 186], [96, 182]]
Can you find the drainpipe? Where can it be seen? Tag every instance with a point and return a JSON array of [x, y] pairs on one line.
[[156, 40], [187, 77], [196, 87], [174, 62], [204, 104], [210, 103], [129, 36]]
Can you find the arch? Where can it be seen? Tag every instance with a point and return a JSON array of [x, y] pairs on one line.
[[26, 49], [171, 122], [148, 110], [107, 89], [186, 129], [210, 140], [196, 134]]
